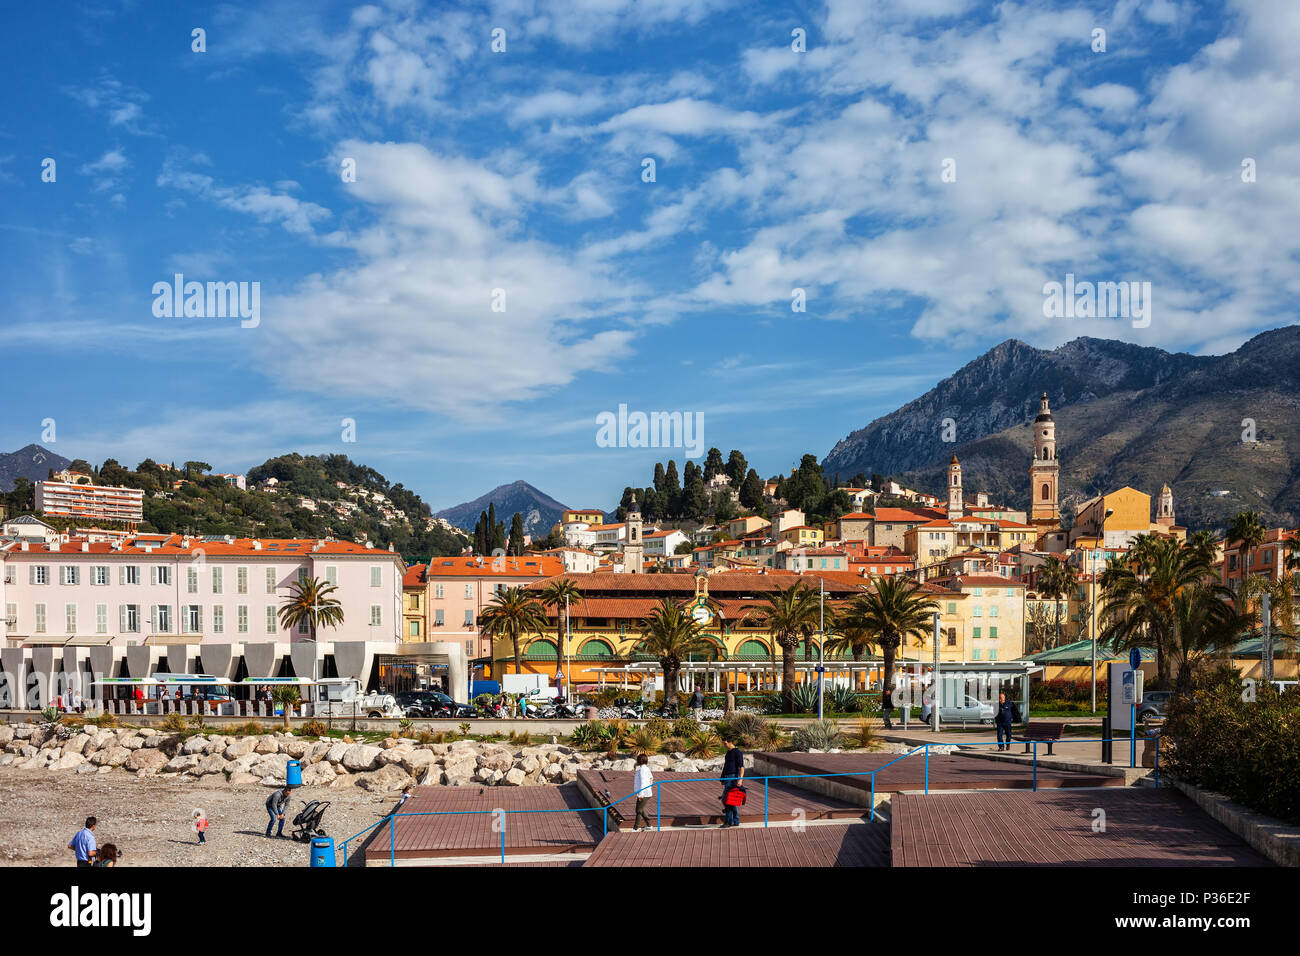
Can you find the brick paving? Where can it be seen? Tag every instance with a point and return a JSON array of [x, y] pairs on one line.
[[819, 845], [946, 772], [471, 835], [690, 802], [1143, 827]]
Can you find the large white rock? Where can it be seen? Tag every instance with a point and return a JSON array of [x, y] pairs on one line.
[[336, 753], [515, 777], [361, 757], [267, 744], [384, 780], [415, 762], [295, 747], [271, 765], [243, 780], [241, 747], [146, 758], [210, 764], [111, 757], [319, 774], [181, 763], [6, 733], [627, 763]]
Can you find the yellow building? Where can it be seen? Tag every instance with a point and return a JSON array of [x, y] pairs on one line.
[[586, 516], [802, 536], [979, 621], [1115, 519]]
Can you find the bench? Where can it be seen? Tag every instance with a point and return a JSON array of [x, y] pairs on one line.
[[1042, 730]]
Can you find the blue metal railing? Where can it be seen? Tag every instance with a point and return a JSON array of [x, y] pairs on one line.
[[392, 818]]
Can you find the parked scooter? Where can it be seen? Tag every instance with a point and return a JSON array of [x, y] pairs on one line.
[[629, 709]]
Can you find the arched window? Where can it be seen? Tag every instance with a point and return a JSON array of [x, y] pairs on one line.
[[596, 649], [1047, 491], [541, 650], [752, 650]]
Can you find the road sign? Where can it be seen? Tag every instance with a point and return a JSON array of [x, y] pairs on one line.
[[1135, 658]]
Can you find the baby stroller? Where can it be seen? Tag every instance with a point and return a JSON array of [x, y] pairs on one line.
[[307, 823]]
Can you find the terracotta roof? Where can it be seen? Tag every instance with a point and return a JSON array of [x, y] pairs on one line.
[[908, 514], [174, 545], [527, 566], [414, 576], [979, 580]]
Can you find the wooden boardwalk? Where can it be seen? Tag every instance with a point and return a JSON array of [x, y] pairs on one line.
[[472, 835], [823, 845], [1143, 827], [947, 772], [691, 802]]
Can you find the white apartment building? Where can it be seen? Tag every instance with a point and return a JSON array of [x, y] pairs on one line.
[[100, 502]]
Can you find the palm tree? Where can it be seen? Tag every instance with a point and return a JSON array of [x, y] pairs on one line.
[[1204, 621], [670, 633], [286, 697], [310, 602], [1139, 594], [1205, 542], [892, 609], [790, 613], [513, 612], [1249, 534], [1057, 579], [559, 593]]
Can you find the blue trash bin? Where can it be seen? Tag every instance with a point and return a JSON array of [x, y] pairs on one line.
[[322, 851], [293, 773]]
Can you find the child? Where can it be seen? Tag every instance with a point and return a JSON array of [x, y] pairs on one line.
[[200, 825]]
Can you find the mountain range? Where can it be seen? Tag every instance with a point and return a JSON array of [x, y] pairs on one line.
[[33, 463], [539, 510], [1223, 431]]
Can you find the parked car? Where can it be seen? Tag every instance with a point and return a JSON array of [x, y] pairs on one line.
[[971, 710], [342, 697], [1155, 703], [432, 703]]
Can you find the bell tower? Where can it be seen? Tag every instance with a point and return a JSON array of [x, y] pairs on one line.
[[1165, 507], [955, 504], [634, 549], [1044, 473]]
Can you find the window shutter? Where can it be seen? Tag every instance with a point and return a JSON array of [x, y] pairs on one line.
[[153, 574], [31, 574], [121, 618], [121, 574]]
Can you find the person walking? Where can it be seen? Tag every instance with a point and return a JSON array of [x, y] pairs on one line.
[[1006, 715], [733, 772], [201, 825], [697, 704], [642, 788], [731, 699], [887, 707], [277, 804], [83, 845]]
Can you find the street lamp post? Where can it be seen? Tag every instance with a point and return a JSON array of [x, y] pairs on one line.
[[1108, 513], [821, 651]]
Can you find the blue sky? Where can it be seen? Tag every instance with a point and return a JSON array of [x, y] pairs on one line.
[[522, 170]]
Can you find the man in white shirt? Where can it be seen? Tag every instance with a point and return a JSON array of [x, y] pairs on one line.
[[643, 790]]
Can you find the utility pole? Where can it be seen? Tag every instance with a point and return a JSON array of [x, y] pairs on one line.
[[934, 681], [1266, 648], [821, 651]]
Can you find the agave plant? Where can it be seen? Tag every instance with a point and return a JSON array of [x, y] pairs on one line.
[[746, 729], [685, 726], [644, 741], [803, 698], [818, 735], [772, 737], [843, 699]]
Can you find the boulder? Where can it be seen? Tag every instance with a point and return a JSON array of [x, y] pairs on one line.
[[242, 780], [658, 762], [529, 764], [210, 764], [110, 757], [337, 752], [77, 745], [552, 772], [361, 757], [627, 763], [317, 751], [133, 743], [240, 748], [270, 765], [457, 771], [156, 740], [244, 763], [24, 732], [343, 780], [68, 762], [181, 763], [515, 777], [40, 735], [415, 762], [384, 780], [497, 760], [147, 732], [388, 743], [686, 765], [484, 774], [195, 745], [295, 747], [146, 758], [318, 774], [6, 759], [6, 733], [267, 744]]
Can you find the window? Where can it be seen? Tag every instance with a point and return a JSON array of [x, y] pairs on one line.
[[270, 580], [1011, 592], [469, 648], [952, 607], [191, 581], [993, 610], [437, 592], [218, 582], [977, 611], [99, 575], [193, 618], [993, 633], [241, 580], [101, 618], [129, 615], [70, 618], [469, 617], [69, 574], [40, 619], [469, 592], [993, 653], [129, 574], [978, 592], [11, 575], [332, 575], [38, 574], [218, 619], [975, 654], [376, 576], [437, 618], [376, 615], [161, 574], [270, 619], [304, 626], [975, 633], [302, 575], [162, 618], [414, 630], [952, 637], [241, 619]]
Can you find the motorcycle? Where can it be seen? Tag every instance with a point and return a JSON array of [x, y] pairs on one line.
[[629, 709]]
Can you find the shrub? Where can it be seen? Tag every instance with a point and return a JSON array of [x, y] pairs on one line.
[[864, 739], [523, 739], [589, 736], [50, 715], [174, 723], [104, 720], [673, 745], [659, 727], [803, 698], [250, 729], [1248, 750], [747, 730], [644, 741], [818, 735], [604, 697], [463, 727], [703, 743], [314, 728]]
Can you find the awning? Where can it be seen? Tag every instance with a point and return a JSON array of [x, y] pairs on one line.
[[170, 639], [97, 640]]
